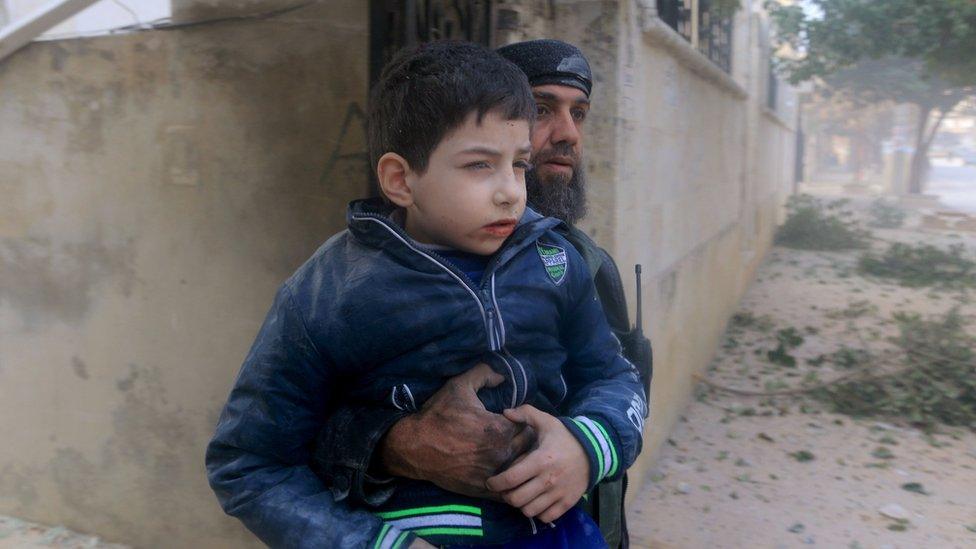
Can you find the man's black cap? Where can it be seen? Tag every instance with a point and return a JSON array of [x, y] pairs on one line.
[[550, 62]]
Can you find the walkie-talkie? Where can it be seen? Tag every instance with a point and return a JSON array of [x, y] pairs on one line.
[[639, 327], [642, 350]]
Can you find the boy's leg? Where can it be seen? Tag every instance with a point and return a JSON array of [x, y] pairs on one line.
[[574, 530]]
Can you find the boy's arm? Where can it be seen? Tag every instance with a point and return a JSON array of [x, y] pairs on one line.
[[600, 434], [606, 407], [257, 461]]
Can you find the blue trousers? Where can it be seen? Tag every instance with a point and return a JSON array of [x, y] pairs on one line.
[[574, 530]]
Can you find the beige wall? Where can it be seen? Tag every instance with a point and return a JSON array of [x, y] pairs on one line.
[[155, 189]]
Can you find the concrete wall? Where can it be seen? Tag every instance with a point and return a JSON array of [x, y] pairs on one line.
[[155, 189]]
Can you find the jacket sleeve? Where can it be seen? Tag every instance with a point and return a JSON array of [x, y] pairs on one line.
[[606, 407], [258, 460], [345, 450]]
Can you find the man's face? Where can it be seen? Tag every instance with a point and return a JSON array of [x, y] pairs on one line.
[[473, 191], [556, 185]]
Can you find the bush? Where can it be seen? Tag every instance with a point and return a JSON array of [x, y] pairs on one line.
[[886, 216], [922, 265], [937, 384], [813, 225]]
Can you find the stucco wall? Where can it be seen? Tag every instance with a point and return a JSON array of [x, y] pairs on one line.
[[155, 189]]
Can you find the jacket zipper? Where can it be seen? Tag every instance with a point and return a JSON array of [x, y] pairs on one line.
[[489, 306]]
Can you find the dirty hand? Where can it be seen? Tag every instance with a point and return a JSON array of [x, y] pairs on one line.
[[549, 480], [454, 441]]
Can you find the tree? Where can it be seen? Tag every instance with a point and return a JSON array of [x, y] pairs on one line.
[[907, 51]]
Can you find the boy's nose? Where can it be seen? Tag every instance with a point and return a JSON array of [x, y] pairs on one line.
[[510, 190]]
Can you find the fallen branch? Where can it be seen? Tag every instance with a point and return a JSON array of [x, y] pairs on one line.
[[800, 390]]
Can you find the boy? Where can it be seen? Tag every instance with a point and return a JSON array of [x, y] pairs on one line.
[[450, 272]]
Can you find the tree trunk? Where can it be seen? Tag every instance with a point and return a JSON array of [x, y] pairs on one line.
[[920, 162], [916, 176]]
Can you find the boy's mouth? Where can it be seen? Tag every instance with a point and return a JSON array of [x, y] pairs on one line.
[[501, 228]]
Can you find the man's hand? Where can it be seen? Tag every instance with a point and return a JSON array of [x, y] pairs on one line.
[[549, 480], [454, 441]]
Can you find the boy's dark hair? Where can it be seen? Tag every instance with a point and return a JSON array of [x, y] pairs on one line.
[[427, 91]]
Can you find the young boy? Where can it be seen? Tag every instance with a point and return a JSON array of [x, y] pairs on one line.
[[449, 271]]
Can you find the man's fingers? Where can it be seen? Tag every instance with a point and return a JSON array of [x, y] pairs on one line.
[[517, 474], [480, 376], [523, 441]]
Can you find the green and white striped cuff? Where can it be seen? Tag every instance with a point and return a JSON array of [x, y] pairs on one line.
[[392, 538], [601, 444], [437, 520]]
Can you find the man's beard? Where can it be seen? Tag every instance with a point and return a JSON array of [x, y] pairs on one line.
[[559, 196]]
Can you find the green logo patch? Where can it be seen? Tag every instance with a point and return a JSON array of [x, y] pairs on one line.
[[554, 259]]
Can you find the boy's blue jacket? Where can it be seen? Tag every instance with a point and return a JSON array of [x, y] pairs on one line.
[[375, 318]]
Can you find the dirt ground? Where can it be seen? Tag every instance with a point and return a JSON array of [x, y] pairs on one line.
[[20, 534], [745, 471]]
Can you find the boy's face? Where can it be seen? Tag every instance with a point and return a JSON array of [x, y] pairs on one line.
[[473, 192]]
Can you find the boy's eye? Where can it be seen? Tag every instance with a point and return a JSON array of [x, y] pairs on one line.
[[523, 165], [479, 165], [579, 115], [541, 110]]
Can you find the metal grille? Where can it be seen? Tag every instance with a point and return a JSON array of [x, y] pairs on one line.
[[396, 24], [677, 14], [772, 88], [715, 35], [714, 28]]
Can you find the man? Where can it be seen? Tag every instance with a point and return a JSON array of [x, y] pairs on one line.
[[453, 441]]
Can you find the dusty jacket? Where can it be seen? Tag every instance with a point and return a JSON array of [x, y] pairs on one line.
[[373, 318]]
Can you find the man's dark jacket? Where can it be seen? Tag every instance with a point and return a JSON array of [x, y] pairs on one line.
[[373, 318]]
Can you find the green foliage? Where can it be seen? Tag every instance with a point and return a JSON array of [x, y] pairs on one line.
[[882, 452], [938, 384], [802, 456], [886, 216], [915, 487], [787, 339], [855, 309], [813, 225], [922, 265], [940, 34], [849, 358], [746, 319]]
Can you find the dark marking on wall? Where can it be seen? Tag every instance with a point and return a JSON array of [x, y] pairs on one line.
[[44, 280], [19, 484], [79, 367], [126, 383], [354, 119], [58, 56]]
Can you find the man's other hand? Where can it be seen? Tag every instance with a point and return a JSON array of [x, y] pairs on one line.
[[454, 441], [549, 480]]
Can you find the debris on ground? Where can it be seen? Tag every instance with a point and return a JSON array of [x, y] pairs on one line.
[[845, 393]]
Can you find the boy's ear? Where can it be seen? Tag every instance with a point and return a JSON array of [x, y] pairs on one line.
[[391, 171]]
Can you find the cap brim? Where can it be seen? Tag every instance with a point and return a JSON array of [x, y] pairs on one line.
[[561, 80]]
